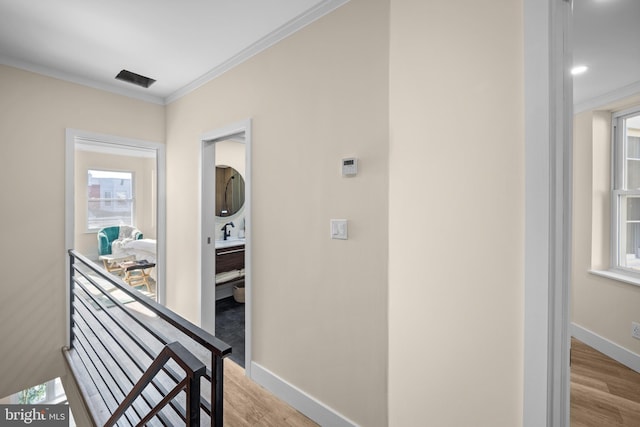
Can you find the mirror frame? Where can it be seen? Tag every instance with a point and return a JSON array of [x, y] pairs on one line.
[[233, 212]]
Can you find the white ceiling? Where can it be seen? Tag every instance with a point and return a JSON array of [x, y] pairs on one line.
[[180, 44], [183, 44], [606, 38]]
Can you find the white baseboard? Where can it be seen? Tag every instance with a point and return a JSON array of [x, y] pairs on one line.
[[309, 406], [616, 352]]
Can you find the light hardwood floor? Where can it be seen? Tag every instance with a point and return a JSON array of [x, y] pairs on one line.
[[248, 404], [604, 393]]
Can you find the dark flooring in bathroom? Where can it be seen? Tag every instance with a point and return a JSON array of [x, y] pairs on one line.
[[230, 327]]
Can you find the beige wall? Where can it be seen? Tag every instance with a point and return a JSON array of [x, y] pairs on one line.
[[144, 178], [601, 305], [456, 214], [320, 305], [34, 112]]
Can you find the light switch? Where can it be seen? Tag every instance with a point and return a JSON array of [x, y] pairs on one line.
[[339, 229]]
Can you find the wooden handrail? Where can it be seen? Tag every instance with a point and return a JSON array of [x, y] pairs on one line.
[[218, 349], [193, 368]]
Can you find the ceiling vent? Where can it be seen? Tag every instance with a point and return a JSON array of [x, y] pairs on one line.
[[136, 79]]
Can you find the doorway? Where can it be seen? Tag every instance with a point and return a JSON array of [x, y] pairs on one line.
[[547, 89], [225, 291], [134, 172], [604, 293]]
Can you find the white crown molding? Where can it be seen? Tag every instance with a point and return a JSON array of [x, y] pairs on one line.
[[607, 98], [313, 14], [269, 40], [72, 78]]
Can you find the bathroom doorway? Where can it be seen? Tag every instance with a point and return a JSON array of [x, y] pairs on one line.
[[226, 227]]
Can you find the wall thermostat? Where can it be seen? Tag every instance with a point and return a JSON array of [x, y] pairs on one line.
[[350, 166]]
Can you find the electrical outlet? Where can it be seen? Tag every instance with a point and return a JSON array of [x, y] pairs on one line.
[[635, 330]]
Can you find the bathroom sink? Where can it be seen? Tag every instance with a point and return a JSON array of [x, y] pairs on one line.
[[231, 241]]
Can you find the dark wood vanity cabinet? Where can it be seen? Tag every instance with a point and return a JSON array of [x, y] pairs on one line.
[[229, 258]]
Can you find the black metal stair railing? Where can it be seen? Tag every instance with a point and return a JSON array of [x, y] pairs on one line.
[[194, 369], [139, 364]]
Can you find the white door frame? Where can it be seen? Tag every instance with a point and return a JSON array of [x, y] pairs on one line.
[[73, 135], [548, 160], [207, 227]]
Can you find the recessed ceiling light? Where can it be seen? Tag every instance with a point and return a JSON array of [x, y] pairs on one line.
[[579, 69], [136, 79]]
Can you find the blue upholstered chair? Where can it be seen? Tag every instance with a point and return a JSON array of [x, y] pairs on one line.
[[108, 235]]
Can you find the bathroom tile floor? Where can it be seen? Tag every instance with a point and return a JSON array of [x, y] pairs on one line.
[[230, 327]]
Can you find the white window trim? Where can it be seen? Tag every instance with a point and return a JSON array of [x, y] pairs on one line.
[[621, 276], [618, 165]]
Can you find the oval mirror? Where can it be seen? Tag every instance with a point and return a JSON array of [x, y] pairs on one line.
[[229, 191]]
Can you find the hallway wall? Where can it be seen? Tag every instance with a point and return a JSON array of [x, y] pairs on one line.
[[320, 305], [35, 110], [456, 279]]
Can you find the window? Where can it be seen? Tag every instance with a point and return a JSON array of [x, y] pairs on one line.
[[626, 191], [33, 395], [50, 392], [110, 199]]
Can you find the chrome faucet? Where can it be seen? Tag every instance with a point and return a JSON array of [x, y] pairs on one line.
[[225, 230]]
